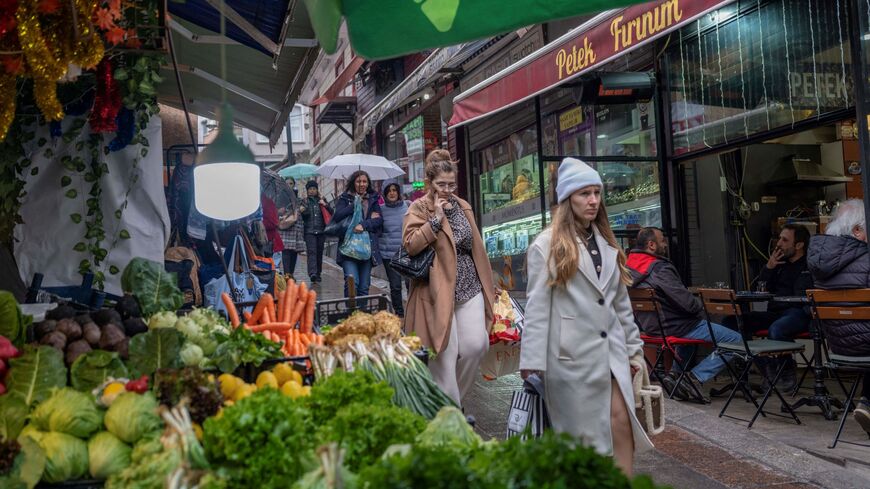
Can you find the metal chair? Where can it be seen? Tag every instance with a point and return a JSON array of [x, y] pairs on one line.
[[644, 301], [724, 302], [763, 333], [849, 305]]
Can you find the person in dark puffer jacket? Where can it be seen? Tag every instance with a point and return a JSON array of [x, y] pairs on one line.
[[839, 260], [393, 212]]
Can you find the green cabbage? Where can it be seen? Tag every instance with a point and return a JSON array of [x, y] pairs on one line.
[[107, 455], [191, 355], [149, 445], [66, 457], [68, 411], [133, 416], [449, 429], [188, 328]]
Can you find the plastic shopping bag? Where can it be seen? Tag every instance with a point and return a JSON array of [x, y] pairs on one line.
[[356, 245], [503, 358], [246, 287], [528, 410]]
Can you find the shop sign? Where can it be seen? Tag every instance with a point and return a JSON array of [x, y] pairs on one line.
[[523, 209], [413, 132], [625, 31], [570, 119]]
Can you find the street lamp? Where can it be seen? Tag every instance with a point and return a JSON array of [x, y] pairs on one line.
[[226, 178]]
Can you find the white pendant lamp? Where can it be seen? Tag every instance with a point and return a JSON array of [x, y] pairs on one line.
[[226, 178]]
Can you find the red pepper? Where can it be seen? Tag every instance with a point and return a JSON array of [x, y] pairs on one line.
[[139, 386]]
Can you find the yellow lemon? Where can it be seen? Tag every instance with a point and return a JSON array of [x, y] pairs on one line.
[[283, 372], [267, 379], [243, 391], [291, 389], [111, 392], [229, 384]]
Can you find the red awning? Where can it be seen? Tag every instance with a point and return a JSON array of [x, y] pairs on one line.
[[581, 50], [341, 82]]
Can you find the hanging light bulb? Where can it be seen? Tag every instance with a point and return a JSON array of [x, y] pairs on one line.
[[226, 178]]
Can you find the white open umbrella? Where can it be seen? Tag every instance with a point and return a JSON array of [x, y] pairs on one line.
[[342, 166]]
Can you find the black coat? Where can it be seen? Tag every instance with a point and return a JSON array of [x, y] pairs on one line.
[[842, 262], [682, 311]]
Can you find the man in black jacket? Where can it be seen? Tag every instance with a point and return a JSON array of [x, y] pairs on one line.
[[311, 209], [785, 274], [682, 311]]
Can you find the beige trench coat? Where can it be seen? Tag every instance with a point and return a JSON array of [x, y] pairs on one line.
[[429, 312], [578, 335]]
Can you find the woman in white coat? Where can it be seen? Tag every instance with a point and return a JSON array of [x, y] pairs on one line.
[[580, 332]]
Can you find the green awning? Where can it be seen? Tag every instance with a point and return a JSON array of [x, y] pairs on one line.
[[381, 29]]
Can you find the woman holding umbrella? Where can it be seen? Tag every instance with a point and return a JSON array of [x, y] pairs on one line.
[[359, 187], [292, 231]]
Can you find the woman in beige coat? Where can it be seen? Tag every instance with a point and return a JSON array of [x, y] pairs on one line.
[[451, 312], [580, 331]]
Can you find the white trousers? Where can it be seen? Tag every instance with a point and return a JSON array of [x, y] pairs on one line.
[[457, 367]]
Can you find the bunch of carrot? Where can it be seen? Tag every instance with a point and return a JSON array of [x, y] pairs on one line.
[[288, 320]]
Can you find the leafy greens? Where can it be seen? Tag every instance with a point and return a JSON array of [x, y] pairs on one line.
[[154, 288]]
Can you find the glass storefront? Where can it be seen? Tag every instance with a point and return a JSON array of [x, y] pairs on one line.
[[755, 66], [406, 148]]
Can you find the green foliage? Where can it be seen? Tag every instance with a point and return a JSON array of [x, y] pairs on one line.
[[242, 346], [364, 433], [27, 467], [263, 441], [154, 289], [13, 415], [429, 467], [12, 322], [32, 376], [156, 349], [344, 388]]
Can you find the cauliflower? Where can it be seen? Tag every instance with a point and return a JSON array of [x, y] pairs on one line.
[[188, 328], [163, 319], [191, 355]]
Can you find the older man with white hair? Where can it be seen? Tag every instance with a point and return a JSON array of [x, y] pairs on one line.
[[840, 260]]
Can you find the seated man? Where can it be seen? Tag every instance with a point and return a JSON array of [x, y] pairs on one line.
[[839, 260], [786, 274], [682, 312]]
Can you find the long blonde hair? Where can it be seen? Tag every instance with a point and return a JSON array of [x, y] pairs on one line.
[[564, 250]]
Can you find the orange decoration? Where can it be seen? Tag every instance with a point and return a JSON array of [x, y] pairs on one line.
[[48, 6], [104, 19], [116, 35]]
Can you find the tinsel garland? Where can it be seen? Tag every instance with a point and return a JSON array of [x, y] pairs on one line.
[[107, 101], [7, 102], [89, 49], [49, 49], [44, 65]]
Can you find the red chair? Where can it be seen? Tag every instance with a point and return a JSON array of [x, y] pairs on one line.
[[644, 301]]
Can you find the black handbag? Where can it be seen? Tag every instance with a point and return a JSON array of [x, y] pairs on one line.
[[413, 267], [337, 228]]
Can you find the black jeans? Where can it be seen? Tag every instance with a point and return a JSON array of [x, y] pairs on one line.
[[288, 260], [314, 248], [396, 281]]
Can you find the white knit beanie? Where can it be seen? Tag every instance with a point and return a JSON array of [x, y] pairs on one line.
[[574, 175]]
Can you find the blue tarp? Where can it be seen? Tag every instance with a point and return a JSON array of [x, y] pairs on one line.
[[266, 15]]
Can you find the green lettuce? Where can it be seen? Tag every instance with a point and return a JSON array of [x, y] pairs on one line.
[[27, 468], [107, 455], [133, 416], [66, 457], [13, 323], [68, 411], [94, 367], [13, 415]]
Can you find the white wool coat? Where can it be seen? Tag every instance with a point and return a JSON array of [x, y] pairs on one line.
[[579, 335]]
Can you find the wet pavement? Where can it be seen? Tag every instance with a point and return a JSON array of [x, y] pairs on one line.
[[698, 449]]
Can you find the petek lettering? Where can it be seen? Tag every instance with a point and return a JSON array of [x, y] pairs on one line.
[[575, 60]]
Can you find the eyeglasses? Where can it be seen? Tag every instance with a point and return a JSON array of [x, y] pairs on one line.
[[445, 187]]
